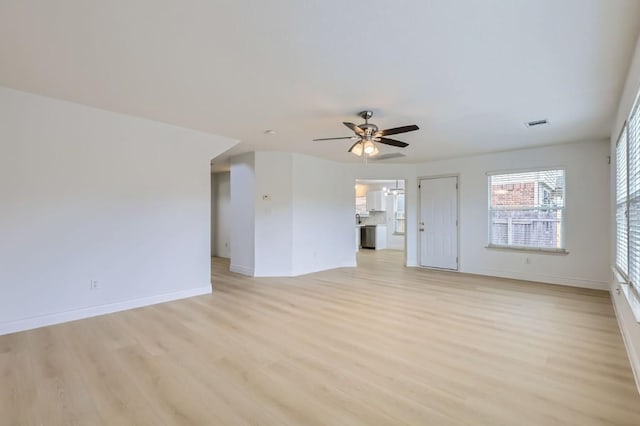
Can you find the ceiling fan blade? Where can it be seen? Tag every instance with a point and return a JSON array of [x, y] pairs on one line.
[[396, 130], [332, 139], [393, 142], [353, 127]]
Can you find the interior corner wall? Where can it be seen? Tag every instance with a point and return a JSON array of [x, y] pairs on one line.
[[587, 214], [221, 214], [90, 195], [323, 215], [273, 213], [242, 226]]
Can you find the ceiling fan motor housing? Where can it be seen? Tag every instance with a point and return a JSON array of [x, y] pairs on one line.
[[366, 114], [368, 129]]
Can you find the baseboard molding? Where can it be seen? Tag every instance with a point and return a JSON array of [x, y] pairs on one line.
[[543, 278], [76, 314], [242, 270], [347, 264], [624, 325]]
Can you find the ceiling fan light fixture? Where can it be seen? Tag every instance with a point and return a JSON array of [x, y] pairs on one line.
[[369, 147], [356, 149]]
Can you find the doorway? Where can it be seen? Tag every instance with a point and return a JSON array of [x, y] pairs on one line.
[[439, 222], [380, 218], [221, 214]]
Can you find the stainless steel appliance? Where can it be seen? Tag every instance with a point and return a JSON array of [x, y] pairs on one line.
[[368, 237]]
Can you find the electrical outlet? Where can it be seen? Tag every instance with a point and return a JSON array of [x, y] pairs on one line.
[[94, 284]]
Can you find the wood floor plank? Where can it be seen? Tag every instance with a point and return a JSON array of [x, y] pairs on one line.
[[378, 344]]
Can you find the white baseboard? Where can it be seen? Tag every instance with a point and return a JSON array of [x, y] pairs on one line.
[[543, 278], [76, 314], [625, 322], [314, 269], [242, 270]]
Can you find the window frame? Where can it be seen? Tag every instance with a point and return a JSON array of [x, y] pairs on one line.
[[627, 275], [563, 228], [396, 213]]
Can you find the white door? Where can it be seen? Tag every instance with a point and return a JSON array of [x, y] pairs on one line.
[[439, 223]]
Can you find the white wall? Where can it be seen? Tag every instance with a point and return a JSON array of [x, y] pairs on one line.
[[292, 214], [323, 215], [273, 217], [242, 224], [587, 214], [221, 214], [93, 195], [629, 327]]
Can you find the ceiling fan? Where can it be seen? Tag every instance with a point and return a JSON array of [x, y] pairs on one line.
[[366, 134]]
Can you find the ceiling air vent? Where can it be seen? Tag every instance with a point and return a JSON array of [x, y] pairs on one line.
[[537, 123], [388, 156]]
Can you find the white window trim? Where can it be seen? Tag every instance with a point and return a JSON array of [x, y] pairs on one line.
[[395, 214], [542, 250]]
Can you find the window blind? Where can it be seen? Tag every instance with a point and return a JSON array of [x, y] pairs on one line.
[[621, 204], [633, 191], [526, 209], [628, 199]]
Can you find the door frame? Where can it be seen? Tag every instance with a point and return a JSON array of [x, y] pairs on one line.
[[419, 207]]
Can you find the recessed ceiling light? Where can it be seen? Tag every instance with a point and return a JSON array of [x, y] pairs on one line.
[[537, 123], [270, 132]]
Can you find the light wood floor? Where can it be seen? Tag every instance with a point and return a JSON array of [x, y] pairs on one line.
[[380, 344]]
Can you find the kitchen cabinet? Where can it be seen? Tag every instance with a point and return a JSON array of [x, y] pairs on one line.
[[376, 201], [381, 237]]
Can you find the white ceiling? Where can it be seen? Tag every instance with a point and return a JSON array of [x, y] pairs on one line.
[[469, 73]]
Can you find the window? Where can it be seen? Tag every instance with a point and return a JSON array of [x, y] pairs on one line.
[[628, 199], [526, 210], [622, 236], [399, 223], [361, 206]]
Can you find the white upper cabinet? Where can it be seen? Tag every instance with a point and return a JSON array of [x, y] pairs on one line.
[[376, 201]]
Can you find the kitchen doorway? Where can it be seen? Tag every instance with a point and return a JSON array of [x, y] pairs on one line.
[[380, 219]]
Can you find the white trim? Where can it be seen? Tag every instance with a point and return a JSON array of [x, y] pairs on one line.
[[76, 314], [543, 278], [527, 170], [621, 285], [530, 249], [632, 351], [242, 270], [313, 270], [563, 236]]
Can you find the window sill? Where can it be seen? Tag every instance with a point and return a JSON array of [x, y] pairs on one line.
[[399, 233], [633, 299], [561, 252]]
